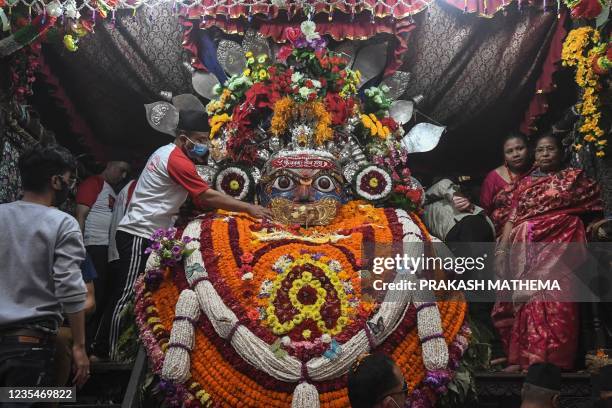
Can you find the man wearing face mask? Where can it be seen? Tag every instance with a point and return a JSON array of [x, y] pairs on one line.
[[41, 251], [168, 178]]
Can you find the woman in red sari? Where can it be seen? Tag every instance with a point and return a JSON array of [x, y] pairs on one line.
[[542, 207], [517, 161]]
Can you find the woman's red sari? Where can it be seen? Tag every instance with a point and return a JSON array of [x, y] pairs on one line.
[[544, 209]]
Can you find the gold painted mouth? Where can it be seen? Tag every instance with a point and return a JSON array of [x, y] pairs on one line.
[[321, 212]]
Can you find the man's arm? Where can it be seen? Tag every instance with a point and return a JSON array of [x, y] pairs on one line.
[[79, 355], [82, 211], [214, 199], [71, 292], [90, 301]]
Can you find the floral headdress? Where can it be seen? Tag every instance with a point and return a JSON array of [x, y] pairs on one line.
[[308, 97]]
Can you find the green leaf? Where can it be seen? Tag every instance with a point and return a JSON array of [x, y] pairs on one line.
[[602, 18]]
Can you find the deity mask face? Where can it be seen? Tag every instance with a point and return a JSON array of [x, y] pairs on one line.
[[302, 188]]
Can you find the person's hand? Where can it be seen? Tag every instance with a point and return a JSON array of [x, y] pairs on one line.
[[461, 203], [80, 366], [259, 212]]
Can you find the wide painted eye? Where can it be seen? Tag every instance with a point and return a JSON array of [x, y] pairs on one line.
[[324, 184], [284, 183]]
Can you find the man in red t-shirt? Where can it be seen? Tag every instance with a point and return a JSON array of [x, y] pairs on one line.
[[95, 201], [169, 177]]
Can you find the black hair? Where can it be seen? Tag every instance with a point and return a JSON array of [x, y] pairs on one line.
[[40, 163], [515, 135], [370, 379], [557, 141]]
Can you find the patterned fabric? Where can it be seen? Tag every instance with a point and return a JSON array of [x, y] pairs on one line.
[[568, 191], [476, 74], [10, 181], [544, 210]]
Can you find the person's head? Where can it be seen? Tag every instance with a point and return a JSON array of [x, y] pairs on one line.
[[516, 152], [192, 135], [548, 153], [542, 386], [48, 170], [116, 171], [375, 381]]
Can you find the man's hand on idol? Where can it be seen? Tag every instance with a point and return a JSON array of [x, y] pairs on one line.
[[259, 212]]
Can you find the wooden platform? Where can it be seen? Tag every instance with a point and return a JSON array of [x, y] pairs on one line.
[[503, 390]]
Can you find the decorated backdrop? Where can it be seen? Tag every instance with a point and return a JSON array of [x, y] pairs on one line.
[[477, 75]]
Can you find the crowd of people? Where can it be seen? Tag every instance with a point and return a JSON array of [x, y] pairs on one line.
[[67, 280]]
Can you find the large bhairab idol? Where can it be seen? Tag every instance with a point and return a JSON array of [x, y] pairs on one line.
[[272, 313]]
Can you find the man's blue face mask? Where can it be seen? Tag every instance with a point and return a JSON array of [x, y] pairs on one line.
[[198, 151]]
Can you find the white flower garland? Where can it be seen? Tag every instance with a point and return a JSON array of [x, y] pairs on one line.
[[289, 369], [365, 194], [235, 170]]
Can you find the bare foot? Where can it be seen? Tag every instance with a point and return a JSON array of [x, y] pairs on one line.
[[512, 369]]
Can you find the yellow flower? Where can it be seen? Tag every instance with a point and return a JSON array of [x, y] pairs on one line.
[[217, 122], [246, 72], [373, 182], [248, 54], [578, 147], [306, 334], [70, 43], [263, 74], [600, 154]]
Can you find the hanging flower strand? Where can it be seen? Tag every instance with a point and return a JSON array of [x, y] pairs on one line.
[[583, 51]]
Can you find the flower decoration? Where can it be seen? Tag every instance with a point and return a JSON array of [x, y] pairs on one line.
[[582, 49], [70, 43], [236, 182], [376, 99], [254, 378], [374, 126], [373, 183], [587, 9], [168, 252]]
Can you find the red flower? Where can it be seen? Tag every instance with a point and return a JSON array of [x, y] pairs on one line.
[[284, 52], [292, 33], [309, 83], [258, 96], [246, 258], [598, 67], [390, 123], [586, 9], [414, 196], [246, 269], [339, 108], [253, 315]]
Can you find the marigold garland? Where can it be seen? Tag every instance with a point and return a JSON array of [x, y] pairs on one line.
[[576, 53], [287, 111], [217, 377]]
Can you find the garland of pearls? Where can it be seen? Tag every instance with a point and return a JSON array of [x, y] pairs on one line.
[[287, 368]]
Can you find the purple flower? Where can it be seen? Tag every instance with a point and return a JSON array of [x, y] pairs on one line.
[[170, 233], [317, 43], [156, 246], [187, 239], [148, 250], [176, 249], [300, 42]]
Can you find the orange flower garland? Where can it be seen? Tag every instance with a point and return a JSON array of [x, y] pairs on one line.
[[213, 373], [287, 111]]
